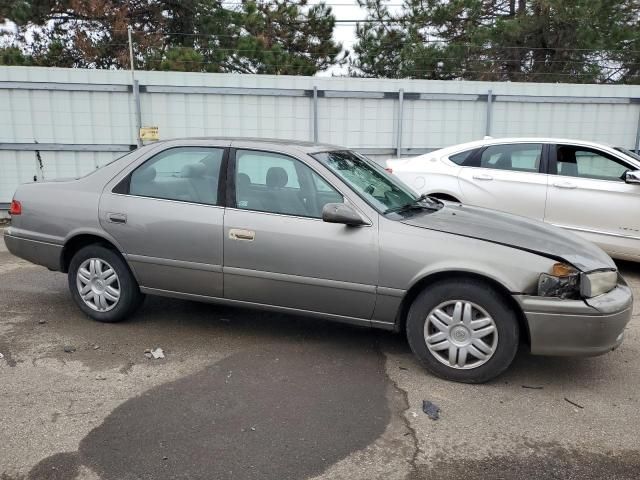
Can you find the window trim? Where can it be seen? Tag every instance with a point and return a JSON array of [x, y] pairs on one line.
[[123, 186], [231, 184], [553, 161]]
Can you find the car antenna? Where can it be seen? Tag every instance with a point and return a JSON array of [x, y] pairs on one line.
[[39, 165]]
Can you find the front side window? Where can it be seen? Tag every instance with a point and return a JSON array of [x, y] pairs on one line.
[[523, 157], [188, 174], [573, 161], [382, 191], [275, 183]]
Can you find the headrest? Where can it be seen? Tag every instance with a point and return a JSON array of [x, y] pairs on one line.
[[212, 163], [146, 174], [195, 170], [566, 155], [277, 177], [242, 180], [504, 162]]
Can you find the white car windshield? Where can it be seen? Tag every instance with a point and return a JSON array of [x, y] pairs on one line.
[[629, 153]]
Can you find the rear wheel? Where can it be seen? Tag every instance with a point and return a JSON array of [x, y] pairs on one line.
[[102, 285], [463, 330]]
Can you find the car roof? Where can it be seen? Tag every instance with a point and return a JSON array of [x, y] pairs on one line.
[[302, 145], [498, 141]]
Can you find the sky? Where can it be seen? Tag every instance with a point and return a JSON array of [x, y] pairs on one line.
[[345, 33], [345, 10]]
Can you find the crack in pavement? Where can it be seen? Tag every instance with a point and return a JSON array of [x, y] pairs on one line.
[[412, 431]]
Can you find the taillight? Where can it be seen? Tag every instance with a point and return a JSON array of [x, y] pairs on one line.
[[15, 208], [389, 169]]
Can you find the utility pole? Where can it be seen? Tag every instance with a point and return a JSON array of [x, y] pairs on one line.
[[129, 30], [136, 90]]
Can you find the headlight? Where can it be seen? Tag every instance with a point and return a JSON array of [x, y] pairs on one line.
[[562, 282], [597, 283]]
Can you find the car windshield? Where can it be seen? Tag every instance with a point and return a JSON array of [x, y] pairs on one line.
[[382, 191], [629, 153]]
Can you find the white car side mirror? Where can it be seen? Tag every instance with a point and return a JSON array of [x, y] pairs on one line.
[[632, 176]]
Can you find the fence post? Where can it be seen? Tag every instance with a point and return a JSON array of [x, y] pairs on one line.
[[487, 131], [637, 149], [136, 99], [136, 90], [399, 125], [315, 114]]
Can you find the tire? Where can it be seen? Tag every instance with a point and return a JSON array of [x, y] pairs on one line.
[[486, 309], [99, 264]]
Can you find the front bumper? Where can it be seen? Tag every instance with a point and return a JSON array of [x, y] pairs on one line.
[[577, 327]]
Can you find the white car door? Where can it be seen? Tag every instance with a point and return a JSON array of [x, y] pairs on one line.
[[507, 177], [588, 194]]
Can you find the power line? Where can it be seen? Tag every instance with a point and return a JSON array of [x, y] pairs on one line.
[[427, 41], [423, 42]]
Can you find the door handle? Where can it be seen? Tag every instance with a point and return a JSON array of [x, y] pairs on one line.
[[483, 176], [239, 234], [117, 217], [564, 185]]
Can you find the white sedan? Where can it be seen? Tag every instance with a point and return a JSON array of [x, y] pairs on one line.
[[589, 188]]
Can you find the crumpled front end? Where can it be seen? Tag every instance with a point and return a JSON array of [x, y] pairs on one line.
[[590, 326]]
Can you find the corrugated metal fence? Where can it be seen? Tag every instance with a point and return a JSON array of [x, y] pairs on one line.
[[81, 119]]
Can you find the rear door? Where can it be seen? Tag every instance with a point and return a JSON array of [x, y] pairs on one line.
[[588, 194], [167, 214], [277, 249], [507, 177]]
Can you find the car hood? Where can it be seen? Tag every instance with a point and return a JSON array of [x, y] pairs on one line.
[[514, 231]]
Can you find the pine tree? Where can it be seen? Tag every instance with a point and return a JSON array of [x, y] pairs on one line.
[[513, 40], [276, 37]]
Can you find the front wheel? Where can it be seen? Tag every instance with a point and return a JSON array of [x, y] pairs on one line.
[[102, 284], [463, 330]]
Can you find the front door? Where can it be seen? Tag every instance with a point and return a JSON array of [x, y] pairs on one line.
[[277, 249], [507, 177], [588, 195], [168, 218]]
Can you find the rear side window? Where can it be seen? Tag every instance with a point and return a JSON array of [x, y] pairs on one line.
[[188, 174], [522, 157], [463, 157]]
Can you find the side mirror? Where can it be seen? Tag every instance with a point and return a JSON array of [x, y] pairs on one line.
[[341, 213], [632, 176]]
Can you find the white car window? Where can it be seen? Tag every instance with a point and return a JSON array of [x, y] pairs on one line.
[[522, 157], [573, 161], [461, 158]]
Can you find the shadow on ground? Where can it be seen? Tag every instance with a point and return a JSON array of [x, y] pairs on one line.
[[540, 461], [283, 410]]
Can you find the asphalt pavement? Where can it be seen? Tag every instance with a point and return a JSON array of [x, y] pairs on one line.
[[244, 394]]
